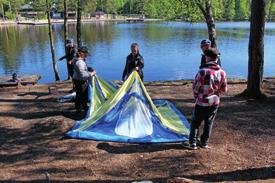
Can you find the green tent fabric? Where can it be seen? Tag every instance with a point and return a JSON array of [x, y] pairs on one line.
[[128, 114]]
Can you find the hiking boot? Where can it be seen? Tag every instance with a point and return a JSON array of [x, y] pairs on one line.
[[189, 146]]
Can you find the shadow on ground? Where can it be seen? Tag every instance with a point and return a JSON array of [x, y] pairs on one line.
[[137, 148], [258, 174], [250, 174]]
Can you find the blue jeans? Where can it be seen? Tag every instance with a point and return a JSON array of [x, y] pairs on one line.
[[206, 114]]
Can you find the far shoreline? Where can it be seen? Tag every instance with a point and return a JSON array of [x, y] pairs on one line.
[[94, 20], [231, 81], [73, 21]]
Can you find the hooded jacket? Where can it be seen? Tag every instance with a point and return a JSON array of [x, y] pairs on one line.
[[209, 83], [131, 63]]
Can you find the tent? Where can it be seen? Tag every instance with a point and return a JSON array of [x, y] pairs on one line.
[[128, 114]]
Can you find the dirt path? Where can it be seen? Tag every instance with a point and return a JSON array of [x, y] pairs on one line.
[[32, 125]]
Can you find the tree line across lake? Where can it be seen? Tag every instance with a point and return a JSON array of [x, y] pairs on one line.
[[186, 10]]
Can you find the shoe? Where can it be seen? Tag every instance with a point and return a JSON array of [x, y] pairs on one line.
[[204, 146], [189, 146]]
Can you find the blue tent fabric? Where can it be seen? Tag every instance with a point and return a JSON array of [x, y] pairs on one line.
[[129, 115]]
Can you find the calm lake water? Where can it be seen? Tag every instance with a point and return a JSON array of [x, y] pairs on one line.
[[170, 49]]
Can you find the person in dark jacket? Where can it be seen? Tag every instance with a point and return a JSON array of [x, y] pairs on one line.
[[82, 74], [205, 45], [133, 61], [70, 52]]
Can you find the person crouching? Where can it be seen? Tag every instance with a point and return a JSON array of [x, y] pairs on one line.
[[81, 76]]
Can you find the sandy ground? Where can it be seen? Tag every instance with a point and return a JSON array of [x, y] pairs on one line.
[[32, 125]]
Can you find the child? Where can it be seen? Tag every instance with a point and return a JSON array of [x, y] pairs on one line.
[[206, 44], [209, 83], [81, 77], [133, 61], [70, 54]]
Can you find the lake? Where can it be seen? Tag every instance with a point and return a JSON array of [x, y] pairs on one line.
[[171, 50]]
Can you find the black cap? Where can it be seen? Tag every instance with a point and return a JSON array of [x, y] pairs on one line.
[[83, 49], [69, 41], [211, 52], [206, 42], [14, 75]]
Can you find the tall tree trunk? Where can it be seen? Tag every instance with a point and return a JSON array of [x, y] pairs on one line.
[[206, 9], [270, 11], [65, 23], [65, 14], [16, 13], [78, 24], [256, 49], [2, 8], [52, 42], [249, 2]]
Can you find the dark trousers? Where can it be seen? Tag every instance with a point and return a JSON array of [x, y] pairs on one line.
[[70, 68], [141, 75], [206, 114], [81, 100]]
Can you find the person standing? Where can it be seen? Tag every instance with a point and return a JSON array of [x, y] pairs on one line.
[[209, 83], [133, 61], [81, 76], [206, 44], [70, 52]]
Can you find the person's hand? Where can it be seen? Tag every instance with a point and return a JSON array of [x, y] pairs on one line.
[[93, 73], [137, 68], [70, 62]]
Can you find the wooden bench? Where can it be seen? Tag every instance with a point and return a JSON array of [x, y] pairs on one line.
[[6, 81]]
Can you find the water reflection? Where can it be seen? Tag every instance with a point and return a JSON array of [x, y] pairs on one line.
[[171, 50]]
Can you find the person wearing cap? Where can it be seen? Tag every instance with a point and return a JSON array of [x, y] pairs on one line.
[[134, 61], [15, 78], [209, 83], [206, 44], [70, 51], [81, 75]]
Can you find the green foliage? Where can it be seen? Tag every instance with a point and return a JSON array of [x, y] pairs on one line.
[[186, 10], [229, 11], [110, 6], [270, 10], [241, 9], [89, 6]]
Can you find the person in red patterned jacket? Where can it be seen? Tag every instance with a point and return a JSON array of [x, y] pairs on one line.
[[209, 83]]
